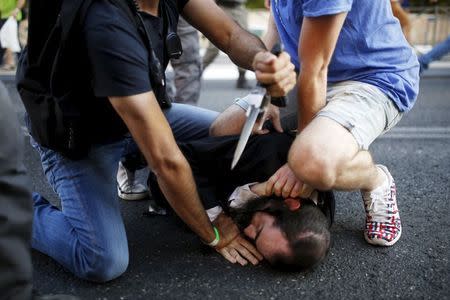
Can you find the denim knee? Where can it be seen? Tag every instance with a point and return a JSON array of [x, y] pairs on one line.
[[103, 266]]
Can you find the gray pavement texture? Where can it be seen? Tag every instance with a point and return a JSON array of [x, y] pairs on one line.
[[169, 262]]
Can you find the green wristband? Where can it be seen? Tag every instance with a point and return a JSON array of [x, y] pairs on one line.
[[216, 239]]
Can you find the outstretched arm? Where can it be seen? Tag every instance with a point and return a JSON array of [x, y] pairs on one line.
[[229, 122], [244, 49], [223, 31], [271, 36], [317, 42], [232, 119], [146, 122]]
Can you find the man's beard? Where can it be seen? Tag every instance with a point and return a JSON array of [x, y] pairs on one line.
[[243, 215]]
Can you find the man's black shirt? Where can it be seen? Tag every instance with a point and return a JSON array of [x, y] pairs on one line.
[[117, 61]]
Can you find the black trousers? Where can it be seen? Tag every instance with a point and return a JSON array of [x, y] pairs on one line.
[[210, 159], [15, 207]]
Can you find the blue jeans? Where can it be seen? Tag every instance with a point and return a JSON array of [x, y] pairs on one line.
[[438, 51], [87, 236]]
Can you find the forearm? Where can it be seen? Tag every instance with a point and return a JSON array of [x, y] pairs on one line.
[[152, 133], [316, 46], [271, 36], [311, 95], [232, 120], [242, 47], [229, 122], [177, 184]]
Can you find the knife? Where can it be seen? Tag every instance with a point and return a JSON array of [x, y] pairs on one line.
[[258, 100]]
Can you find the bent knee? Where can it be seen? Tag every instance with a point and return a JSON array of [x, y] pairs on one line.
[[314, 165], [104, 266]]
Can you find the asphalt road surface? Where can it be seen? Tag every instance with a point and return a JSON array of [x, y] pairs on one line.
[[169, 262]]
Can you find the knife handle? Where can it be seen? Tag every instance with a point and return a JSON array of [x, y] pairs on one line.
[[278, 101], [277, 49]]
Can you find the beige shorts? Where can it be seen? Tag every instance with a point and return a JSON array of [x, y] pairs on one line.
[[362, 109]]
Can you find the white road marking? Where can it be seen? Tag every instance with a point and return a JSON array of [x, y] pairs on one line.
[[407, 132]]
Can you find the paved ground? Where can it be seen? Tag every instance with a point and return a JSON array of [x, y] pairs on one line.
[[168, 262]]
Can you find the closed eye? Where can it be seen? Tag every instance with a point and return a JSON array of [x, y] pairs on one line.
[[257, 235]]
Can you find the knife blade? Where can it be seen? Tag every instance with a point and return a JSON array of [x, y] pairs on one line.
[[253, 113], [258, 100]]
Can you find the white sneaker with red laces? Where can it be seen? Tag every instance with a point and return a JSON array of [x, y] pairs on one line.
[[383, 225]]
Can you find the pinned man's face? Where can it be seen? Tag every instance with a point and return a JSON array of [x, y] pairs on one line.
[[257, 219]]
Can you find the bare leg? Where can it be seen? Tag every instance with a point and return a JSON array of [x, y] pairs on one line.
[[326, 156]]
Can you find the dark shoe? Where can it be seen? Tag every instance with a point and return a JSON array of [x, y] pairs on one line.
[[327, 203], [243, 84]]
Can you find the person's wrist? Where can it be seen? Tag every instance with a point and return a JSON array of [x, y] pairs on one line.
[[242, 103], [216, 239]]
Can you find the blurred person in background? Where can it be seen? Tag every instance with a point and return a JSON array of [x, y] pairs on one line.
[[237, 11], [9, 8], [16, 211], [438, 51], [184, 84]]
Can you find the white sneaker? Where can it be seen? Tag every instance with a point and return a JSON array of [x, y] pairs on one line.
[[127, 186], [383, 225]]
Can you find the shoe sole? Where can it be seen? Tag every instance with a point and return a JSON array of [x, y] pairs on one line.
[[131, 197], [378, 242]]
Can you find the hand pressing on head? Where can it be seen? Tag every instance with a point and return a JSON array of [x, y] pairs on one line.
[[238, 250], [283, 183]]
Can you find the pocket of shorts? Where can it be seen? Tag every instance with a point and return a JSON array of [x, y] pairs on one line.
[[393, 121]]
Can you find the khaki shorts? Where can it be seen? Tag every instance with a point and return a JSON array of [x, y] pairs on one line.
[[362, 109]]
